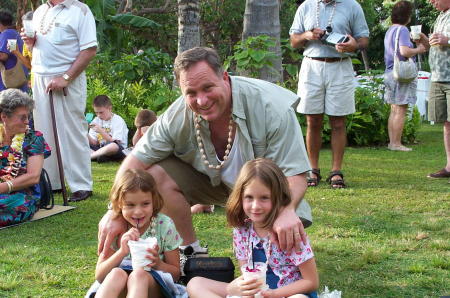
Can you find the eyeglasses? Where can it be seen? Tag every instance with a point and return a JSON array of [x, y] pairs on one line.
[[22, 118]]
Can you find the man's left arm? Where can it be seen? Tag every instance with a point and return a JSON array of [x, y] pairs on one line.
[[286, 148], [78, 66]]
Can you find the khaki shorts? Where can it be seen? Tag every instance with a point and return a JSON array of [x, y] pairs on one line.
[[197, 187], [326, 87], [439, 102]]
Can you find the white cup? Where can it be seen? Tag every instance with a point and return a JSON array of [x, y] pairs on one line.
[[138, 250], [12, 44], [28, 28], [258, 273], [415, 32]]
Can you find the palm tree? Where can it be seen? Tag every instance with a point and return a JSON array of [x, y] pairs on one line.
[[188, 24], [263, 17]]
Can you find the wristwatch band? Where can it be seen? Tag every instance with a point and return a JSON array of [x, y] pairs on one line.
[[66, 77]]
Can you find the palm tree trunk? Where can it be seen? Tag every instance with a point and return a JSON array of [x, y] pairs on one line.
[[188, 25], [263, 17]]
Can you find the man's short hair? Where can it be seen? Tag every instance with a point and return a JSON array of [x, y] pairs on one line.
[[145, 118], [401, 12], [6, 18], [192, 56], [102, 101]]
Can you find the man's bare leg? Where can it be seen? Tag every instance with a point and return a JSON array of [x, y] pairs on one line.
[[338, 142], [175, 204], [314, 139], [447, 143]]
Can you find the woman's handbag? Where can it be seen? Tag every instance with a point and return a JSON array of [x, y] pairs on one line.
[[14, 77], [47, 199], [404, 71]]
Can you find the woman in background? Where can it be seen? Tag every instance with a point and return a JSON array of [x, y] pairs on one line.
[[397, 94]]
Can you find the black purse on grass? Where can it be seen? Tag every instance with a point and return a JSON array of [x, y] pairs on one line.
[[216, 268], [47, 199]]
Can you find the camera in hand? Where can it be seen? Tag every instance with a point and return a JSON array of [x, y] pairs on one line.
[[331, 38]]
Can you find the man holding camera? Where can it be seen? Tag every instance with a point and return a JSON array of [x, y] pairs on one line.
[[330, 31]]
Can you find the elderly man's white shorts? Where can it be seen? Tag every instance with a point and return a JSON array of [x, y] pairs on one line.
[[326, 87]]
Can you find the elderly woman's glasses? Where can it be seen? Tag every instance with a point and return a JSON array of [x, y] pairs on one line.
[[22, 118]]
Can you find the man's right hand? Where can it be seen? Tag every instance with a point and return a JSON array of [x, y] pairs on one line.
[[109, 229], [29, 41], [314, 34]]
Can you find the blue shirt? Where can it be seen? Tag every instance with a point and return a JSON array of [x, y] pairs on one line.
[[12, 59], [347, 19]]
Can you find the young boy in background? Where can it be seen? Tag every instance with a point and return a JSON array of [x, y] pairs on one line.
[[108, 133]]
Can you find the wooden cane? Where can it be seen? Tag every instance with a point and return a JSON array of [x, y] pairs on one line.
[[58, 151]]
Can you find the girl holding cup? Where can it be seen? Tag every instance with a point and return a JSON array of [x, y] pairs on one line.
[[134, 195], [260, 192]]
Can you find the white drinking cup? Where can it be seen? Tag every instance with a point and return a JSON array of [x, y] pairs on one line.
[[138, 251], [415, 32], [258, 273], [12, 44], [28, 28]]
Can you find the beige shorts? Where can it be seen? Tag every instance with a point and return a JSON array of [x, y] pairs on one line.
[[439, 102], [326, 87], [197, 187]]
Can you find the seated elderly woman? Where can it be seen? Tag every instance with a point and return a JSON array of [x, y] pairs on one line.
[[22, 153]]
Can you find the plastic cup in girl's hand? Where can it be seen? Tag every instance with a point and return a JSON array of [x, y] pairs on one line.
[[257, 272], [138, 250]]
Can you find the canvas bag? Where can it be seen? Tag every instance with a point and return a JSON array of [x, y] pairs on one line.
[[403, 71], [14, 77]]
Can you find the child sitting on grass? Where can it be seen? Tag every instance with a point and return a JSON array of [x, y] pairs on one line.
[[108, 133], [259, 194], [135, 197], [144, 119]]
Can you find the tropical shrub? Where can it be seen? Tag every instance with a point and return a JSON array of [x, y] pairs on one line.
[[133, 82]]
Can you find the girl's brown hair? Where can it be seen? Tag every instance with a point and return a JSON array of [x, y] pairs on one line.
[[133, 180], [272, 177]]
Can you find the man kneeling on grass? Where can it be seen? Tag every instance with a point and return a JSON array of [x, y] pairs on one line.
[[108, 133]]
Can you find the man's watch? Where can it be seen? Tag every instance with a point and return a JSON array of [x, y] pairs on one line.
[[66, 77]]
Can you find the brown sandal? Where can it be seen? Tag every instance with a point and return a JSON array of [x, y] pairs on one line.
[[336, 183], [313, 182]]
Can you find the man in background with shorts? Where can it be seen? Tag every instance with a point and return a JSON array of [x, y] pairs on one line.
[[326, 80]]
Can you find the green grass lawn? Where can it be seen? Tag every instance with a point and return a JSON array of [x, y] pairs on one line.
[[388, 235]]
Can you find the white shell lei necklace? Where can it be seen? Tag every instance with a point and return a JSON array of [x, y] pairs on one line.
[[331, 16], [50, 25], [202, 148]]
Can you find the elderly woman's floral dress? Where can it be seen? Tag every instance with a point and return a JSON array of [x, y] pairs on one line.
[[20, 205]]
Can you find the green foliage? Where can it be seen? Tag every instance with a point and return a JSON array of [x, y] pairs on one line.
[[368, 125], [291, 62], [133, 82], [134, 21], [252, 54]]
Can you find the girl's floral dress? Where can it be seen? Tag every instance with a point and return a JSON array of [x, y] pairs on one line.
[[21, 205], [284, 265]]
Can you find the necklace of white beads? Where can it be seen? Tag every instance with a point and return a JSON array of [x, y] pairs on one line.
[[202, 147], [50, 25]]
